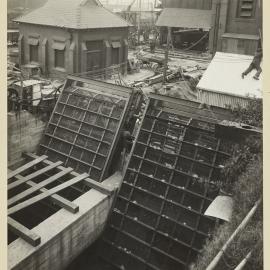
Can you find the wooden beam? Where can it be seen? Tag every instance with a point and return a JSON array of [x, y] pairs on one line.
[[33, 175], [26, 166], [98, 186], [57, 199], [23, 232], [88, 181], [46, 194], [38, 186]]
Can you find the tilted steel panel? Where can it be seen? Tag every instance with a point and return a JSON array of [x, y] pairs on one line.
[[85, 125], [171, 178]]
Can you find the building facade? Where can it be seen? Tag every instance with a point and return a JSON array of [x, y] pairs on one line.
[[73, 39], [236, 24]]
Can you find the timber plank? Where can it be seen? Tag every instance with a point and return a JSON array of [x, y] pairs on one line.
[[23, 232], [46, 194], [57, 199], [34, 174], [38, 186], [26, 166], [97, 186], [88, 181]]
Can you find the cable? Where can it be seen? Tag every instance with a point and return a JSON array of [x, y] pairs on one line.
[[194, 44]]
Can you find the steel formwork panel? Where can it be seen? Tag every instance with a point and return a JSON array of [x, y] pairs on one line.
[[84, 127], [158, 220]]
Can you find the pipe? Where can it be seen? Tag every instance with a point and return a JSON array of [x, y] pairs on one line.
[[241, 265], [215, 261]]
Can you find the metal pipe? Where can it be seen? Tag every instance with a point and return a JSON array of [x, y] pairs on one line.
[[215, 261], [241, 265]]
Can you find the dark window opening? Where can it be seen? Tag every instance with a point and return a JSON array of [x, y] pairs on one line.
[[115, 56], [33, 53], [59, 58]]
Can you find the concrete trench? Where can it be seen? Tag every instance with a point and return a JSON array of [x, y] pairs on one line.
[[157, 221]]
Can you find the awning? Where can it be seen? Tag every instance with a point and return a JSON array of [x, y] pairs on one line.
[[33, 41], [186, 18], [116, 44], [57, 45]]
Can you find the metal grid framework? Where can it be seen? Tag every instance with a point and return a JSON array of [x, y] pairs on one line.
[[84, 127], [158, 221], [38, 189]]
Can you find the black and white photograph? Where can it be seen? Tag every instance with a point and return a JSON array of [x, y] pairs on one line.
[[134, 135]]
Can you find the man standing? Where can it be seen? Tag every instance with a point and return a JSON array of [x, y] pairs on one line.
[[255, 64]]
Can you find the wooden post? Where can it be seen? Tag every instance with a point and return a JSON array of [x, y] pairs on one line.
[[215, 261], [139, 21], [166, 54]]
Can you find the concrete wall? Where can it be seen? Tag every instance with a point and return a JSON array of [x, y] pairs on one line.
[[194, 4], [24, 134], [73, 51], [63, 235]]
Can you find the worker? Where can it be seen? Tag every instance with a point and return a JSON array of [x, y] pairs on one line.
[[152, 45], [255, 64]]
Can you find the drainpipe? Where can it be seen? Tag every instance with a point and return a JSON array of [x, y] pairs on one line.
[[213, 36], [216, 28]]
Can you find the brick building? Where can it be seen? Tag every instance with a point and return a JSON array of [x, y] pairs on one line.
[[72, 36], [234, 26]]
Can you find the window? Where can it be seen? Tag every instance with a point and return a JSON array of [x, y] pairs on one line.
[[246, 8], [59, 58], [33, 53], [115, 52], [115, 56]]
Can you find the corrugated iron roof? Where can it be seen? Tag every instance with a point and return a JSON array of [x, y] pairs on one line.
[[188, 18], [223, 76], [75, 14]]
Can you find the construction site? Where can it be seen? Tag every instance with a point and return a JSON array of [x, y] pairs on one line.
[[135, 135]]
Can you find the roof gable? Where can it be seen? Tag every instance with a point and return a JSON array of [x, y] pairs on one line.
[[74, 14], [90, 2]]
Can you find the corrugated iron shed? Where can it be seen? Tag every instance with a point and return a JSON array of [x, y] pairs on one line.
[[186, 18], [223, 76], [74, 14]]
